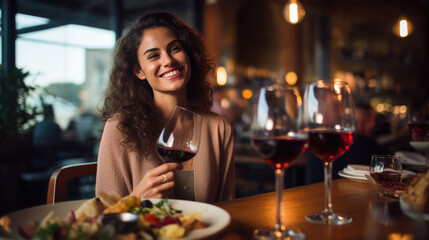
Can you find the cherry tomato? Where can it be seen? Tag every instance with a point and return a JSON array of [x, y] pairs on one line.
[[152, 220]]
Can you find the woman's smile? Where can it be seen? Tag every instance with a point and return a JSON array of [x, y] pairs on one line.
[[170, 74]]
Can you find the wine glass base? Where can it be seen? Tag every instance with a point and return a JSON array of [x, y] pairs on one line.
[[274, 234], [333, 219]]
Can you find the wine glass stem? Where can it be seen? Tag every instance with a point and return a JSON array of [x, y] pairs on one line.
[[279, 195], [328, 184]]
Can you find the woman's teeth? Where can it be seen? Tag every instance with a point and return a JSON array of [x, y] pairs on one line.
[[171, 73]]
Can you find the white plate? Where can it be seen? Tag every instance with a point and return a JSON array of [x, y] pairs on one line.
[[216, 218], [411, 158], [353, 177], [359, 173], [407, 173], [420, 145], [408, 210], [358, 169]]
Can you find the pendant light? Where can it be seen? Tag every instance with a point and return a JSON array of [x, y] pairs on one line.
[[403, 27], [293, 12]]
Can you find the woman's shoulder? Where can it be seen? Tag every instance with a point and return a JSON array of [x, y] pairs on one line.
[[214, 117], [217, 120], [114, 119], [112, 123]]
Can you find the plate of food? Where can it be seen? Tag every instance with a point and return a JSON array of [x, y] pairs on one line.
[[414, 201], [106, 217]]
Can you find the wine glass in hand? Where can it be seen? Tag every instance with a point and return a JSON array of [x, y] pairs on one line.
[[277, 136], [180, 137], [328, 116]]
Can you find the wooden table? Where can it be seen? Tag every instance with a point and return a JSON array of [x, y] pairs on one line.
[[374, 217]]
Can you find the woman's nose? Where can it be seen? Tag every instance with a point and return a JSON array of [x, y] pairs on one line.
[[167, 59]]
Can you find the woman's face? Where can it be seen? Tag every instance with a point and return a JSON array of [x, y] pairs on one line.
[[163, 61]]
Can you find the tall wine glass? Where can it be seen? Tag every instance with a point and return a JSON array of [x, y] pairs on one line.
[[180, 138], [328, 117], [277, 136]]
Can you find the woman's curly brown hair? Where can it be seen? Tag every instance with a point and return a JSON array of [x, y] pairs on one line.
[[132, 99]]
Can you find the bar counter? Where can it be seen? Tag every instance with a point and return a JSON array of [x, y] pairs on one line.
[[374, 217]]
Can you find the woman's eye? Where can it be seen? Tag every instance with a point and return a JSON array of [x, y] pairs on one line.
[[153, 56], [176, 49]]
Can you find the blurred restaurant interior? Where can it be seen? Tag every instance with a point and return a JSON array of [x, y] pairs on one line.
[[63, 52]]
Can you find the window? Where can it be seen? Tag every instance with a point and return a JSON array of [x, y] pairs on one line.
[[68, 68]]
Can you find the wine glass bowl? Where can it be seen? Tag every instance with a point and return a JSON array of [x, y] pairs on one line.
[[180, 138], [419, 130], [386, 170], [278, 137], [328, 117]]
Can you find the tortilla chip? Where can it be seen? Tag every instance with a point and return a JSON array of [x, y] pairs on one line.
[[108, 199]]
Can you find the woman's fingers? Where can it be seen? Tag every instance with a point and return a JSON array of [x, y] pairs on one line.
[[166, 177], [161, 190], [158, 182], [164, 168]]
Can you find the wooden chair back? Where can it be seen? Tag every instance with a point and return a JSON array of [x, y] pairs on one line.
[[57, 188]]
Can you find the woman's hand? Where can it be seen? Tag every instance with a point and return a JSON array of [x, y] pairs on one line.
[[157, 182]]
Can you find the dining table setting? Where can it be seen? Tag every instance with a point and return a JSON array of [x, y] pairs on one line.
[[374, 216], [387, 199]]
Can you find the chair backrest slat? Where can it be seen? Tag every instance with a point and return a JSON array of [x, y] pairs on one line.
[[57, 188]]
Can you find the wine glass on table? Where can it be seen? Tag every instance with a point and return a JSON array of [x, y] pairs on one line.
[[277, 136], [180, 138], [328, 117], [386, 170]]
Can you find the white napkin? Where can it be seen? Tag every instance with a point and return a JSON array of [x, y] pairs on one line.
[[411, 158], [357, 170]]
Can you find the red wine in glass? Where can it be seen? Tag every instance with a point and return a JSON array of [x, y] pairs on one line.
[[180, 138], [279, 152], [419, 130], [386, 170], [329, 145], [386, 177], [328, 116], [174, 155], [279, 138]]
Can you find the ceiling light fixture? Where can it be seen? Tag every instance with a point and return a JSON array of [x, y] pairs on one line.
[[403, 27], [293, 12]]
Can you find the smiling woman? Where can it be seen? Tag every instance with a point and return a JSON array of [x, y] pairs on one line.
[[163, 62], [160, 63]]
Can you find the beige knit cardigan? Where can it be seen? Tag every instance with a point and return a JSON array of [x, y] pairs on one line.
[[119, 169]]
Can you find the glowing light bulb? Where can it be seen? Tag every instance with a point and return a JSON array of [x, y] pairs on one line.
[[247, 93], [293, 12], [222, 76], [291, 78], [403, 27]]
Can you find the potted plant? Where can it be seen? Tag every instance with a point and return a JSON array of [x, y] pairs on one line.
[[16, 115], [16, 118]]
